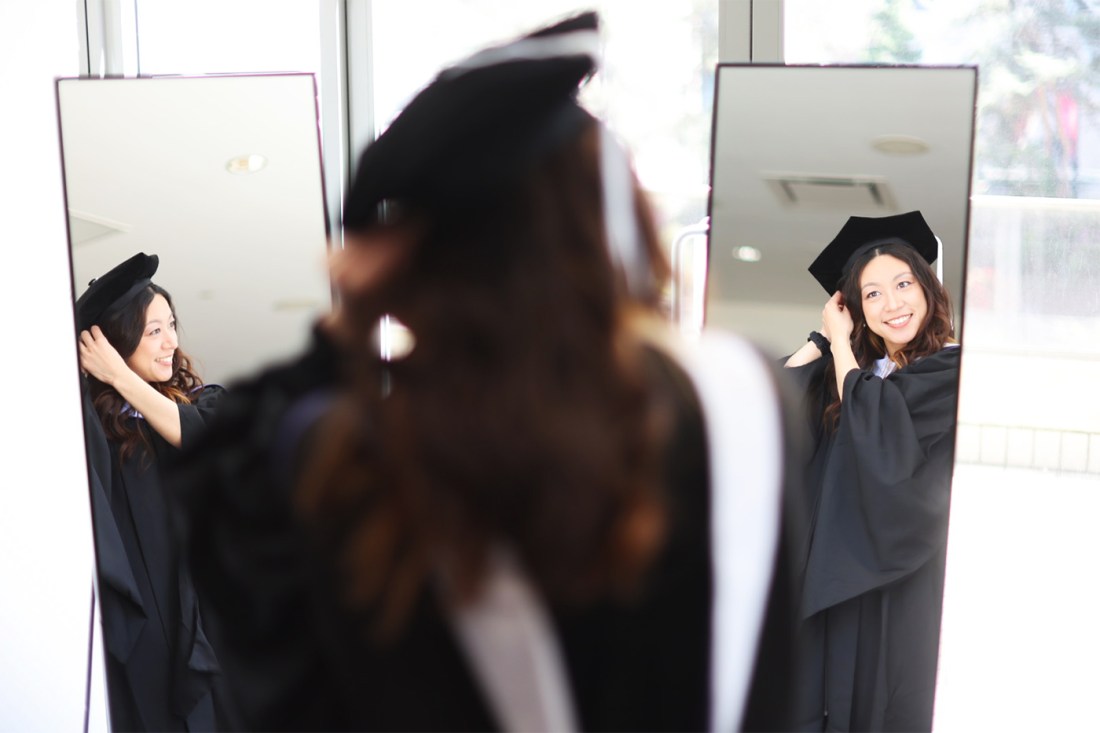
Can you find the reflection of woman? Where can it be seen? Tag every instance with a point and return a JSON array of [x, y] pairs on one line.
[[149, 402], [509, 526], [881, 381]]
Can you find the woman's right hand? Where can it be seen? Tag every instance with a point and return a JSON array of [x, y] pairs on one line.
[[836, 320], [364, 262], [836, 323], [98, 358]]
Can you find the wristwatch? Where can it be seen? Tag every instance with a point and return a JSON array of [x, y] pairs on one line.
[[820, 342]]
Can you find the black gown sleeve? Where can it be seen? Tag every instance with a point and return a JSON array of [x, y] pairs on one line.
[[198, 694], [196, 416], [886, 481], [248, 557], [805, 385], [121, 608], [804, 377]]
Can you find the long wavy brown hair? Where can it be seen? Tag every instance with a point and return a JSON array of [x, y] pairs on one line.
[[935, 332], [124, 331], [521, 415]]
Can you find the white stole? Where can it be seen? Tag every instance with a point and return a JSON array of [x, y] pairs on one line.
[[506, 633]]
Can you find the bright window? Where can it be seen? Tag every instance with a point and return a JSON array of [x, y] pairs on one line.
[[227, 36], [655, 87]]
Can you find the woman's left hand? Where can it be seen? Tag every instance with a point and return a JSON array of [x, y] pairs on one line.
[[98, 358]]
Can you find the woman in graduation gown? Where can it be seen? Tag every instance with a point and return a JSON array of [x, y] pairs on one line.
[[880, 383], [509, 526], [143, 403]]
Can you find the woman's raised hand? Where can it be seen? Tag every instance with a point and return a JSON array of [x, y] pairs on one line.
[[98, 358], [836, 320]]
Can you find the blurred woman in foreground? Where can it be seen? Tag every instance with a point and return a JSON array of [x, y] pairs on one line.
[[508, 527]]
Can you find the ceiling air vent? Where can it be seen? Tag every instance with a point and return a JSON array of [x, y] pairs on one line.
[[849, 193]]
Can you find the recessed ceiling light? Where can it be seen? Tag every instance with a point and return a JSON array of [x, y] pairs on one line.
[[899, 145], [746, 254], [246, 164]]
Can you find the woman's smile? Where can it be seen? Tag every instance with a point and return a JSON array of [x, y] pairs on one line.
[[900, 321]]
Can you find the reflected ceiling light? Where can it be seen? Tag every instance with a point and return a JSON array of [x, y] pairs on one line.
[[246, 164], [746, 253], [899, 145]]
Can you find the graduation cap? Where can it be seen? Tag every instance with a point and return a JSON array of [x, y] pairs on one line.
[[480, 123], [108, 294], [861, 233]]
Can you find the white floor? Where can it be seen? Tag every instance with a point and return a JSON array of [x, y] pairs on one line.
[[1020, 648]]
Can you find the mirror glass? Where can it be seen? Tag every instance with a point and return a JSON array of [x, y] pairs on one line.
[[799, 149], [220, 177]]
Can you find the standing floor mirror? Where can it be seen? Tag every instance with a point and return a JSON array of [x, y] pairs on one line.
[[220, 178], [797, 150]]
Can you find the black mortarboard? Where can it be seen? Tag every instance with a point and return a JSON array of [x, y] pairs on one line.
[[477, 126], [860, 233], [108, 294]]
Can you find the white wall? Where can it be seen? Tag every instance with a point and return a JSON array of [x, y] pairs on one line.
[[45, 531], [778, 329]]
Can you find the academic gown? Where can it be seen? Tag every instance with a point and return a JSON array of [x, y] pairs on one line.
[[878, 493], [161, 667], [296, 659]]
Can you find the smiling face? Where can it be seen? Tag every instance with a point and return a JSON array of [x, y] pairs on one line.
[[153, 357], [894, 304]]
